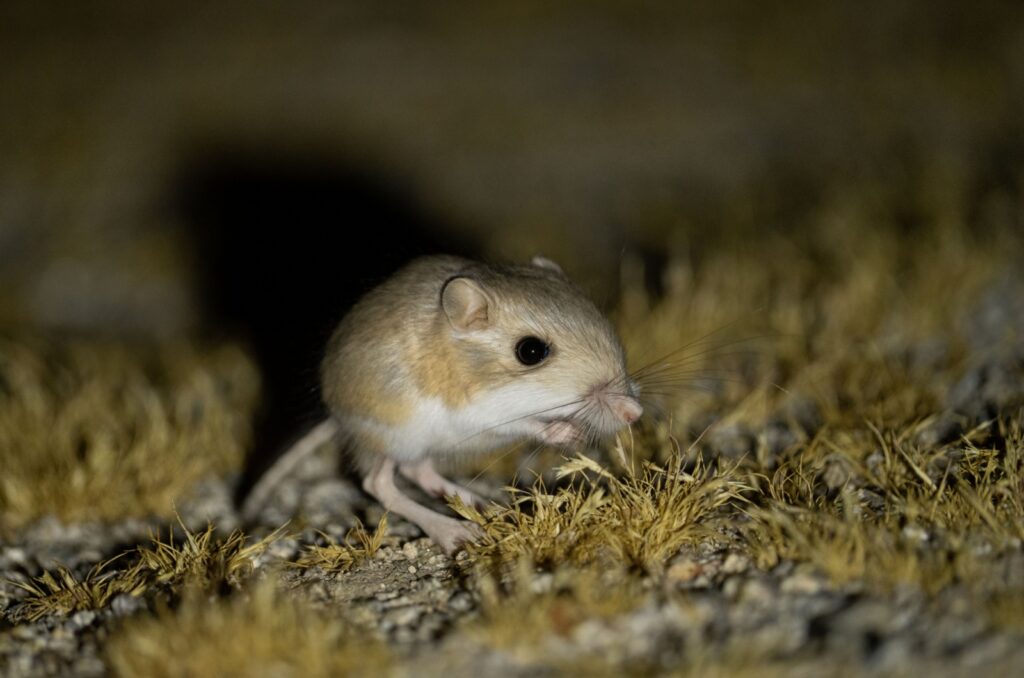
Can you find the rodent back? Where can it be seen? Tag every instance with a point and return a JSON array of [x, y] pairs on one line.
[[367, 359]]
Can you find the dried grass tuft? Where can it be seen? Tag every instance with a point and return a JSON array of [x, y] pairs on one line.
[[202, 560], [100, 431], [357, 546], [62, 593], [639, 519], [199, 561], [891, 522]]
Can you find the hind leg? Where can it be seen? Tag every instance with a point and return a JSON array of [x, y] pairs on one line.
[[433, 483], [449, 533]]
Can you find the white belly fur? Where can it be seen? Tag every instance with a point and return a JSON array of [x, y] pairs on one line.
[[493, 419]]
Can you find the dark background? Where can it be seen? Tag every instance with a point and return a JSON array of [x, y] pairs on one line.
[[246, 170]]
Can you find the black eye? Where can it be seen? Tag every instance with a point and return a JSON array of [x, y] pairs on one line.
[[531, 350]]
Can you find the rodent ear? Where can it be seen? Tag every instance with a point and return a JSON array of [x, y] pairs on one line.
[[544, 262], [466, 304]]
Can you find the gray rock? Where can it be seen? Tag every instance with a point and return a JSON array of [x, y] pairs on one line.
[[943, 429], [944, 465], [125, 604], [81, 620], [989, 387], [733, 441], [929, 356], [996, 315], [13, 557], [871, 501], [777, 437], [329, 500], [837, 472], [801, 412], [211, 501]]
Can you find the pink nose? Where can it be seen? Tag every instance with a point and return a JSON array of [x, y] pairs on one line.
[[628, 410]]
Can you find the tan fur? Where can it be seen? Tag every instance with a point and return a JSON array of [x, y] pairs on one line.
[[438, 372], [397, 345], [366, 443], [385, 352]]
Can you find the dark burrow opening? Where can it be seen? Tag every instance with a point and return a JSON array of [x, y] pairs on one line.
[[285, 242]]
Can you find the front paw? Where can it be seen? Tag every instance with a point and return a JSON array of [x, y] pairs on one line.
[[560, 433]]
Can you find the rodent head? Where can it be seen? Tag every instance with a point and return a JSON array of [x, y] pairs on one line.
[[552, 364]]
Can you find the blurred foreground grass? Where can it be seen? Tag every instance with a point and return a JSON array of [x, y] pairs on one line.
[[260, 632]]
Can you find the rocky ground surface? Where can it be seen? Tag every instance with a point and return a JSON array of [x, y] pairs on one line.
[[711, 603]]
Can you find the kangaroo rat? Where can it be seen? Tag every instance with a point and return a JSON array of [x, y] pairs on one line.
[[451, 357]]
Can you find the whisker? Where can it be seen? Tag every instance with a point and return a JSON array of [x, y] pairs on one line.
[[665, 376], [698, 342], [518, 445], [520, 418], [683, 367], [686, 386], [659, 410], [589, 428], [693, 343], [691, 357], [692, 389], [500, 457], [668, 389], [529, 458], [695, 376]]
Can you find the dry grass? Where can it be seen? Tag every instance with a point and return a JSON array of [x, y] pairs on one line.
[[93, 431], [932, 530], [261, 632], [357, 546], [62, 593], [202, 560], [199, 560], [638, 520]]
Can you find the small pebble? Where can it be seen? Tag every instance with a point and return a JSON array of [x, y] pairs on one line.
[[802, 583], [735, 563], [460, 602], [683, 570], [944, 429], [125, 604], [80, 620]]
